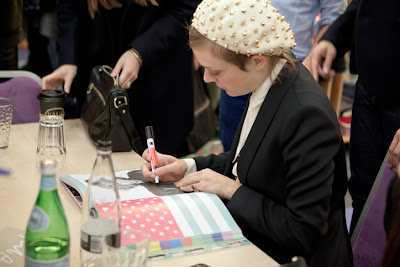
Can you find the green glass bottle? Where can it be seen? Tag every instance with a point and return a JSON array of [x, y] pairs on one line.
[[47, 236]]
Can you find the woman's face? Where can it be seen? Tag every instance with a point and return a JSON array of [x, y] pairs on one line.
[[226, 75]]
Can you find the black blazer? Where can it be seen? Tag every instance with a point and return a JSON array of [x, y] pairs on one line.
[[162, 96], [371, 29], [293, 170]]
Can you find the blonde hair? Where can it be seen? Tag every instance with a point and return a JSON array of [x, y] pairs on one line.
[[93, 5], [196, 39]]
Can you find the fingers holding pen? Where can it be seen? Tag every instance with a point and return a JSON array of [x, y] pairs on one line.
[[146, 171]]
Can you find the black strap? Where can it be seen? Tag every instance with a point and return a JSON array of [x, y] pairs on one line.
[[121, 104]]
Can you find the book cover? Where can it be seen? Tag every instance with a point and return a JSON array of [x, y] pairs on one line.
[[177, 223]]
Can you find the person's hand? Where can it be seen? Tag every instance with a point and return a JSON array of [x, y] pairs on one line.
[[320, 59], [209, 181], [64, 74], [128, 65], [394, 152], [169, 167]]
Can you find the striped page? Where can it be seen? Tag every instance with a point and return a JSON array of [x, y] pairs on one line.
[[180, 224]]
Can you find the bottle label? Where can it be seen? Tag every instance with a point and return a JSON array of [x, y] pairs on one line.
[[62, 262], [48, 184], [39, 219], [91, 243]]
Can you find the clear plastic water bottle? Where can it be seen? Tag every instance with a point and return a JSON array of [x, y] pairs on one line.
[[47, 236], [101, 208]]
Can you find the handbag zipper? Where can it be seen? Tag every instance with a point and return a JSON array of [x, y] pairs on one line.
[[89, 91]]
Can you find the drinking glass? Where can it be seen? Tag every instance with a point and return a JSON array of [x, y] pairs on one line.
[[131, 254], [51, 143], [6, 112]]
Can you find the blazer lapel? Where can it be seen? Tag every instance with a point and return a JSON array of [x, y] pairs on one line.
[[261, 125]]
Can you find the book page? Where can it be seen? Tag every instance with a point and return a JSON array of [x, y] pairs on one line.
[[179, 224], [131, 185]]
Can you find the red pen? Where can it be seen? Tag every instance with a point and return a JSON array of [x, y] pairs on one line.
[[152, 150]]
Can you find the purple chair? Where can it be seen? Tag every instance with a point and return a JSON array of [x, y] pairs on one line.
[[23, 89], [369, 238]]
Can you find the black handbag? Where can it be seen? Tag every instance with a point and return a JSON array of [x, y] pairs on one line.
[[105, 112]]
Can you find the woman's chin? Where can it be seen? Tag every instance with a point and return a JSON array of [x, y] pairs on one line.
[[231, 94]]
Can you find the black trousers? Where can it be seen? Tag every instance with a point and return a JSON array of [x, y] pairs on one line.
[[374, 122]]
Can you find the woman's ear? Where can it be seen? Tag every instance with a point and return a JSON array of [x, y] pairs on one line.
[[259, 61]]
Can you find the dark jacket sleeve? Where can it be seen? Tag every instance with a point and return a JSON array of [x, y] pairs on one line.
[[340, 33], [215, 162], [309, 141], [166, 31]]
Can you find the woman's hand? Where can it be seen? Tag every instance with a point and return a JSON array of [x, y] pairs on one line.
[[128, 65], [209, 181], [169, 167], [64, 74]]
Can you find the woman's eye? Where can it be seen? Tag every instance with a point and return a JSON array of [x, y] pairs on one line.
[[214, 73]]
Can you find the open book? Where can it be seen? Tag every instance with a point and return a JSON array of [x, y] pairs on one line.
[[177, 223]]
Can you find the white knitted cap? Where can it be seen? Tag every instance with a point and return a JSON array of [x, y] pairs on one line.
[[244, 26]]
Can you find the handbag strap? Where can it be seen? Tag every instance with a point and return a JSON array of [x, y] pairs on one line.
[[120, 102]]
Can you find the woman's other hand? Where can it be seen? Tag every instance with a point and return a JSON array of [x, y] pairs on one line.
[[169, 167], [209, 181], [64, 74]]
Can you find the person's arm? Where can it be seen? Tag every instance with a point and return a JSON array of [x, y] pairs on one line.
[[309, 142], [168, 29], [330, 11], [340, 33], [69, 18], [214, 162]]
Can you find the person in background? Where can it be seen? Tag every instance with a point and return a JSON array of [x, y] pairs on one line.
[[145, 42], [367, 28], [10, 31], [301, 16], [285, 178], [41, 27]]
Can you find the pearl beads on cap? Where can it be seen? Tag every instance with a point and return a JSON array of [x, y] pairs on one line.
[[244, 26]]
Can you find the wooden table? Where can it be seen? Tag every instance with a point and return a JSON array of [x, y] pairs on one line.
[[18, 192]]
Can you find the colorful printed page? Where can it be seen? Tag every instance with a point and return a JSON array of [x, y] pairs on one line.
[[180, 224], [131, 185]]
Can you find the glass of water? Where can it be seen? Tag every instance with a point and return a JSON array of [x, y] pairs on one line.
[[132, 253]]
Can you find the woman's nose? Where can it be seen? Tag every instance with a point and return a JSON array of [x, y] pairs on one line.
[[207, 77]]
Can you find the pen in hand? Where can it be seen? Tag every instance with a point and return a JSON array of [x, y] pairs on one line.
[[152, 150]]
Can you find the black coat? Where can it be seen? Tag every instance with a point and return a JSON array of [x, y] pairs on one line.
[[162, 96], [293, 170], [371, 29]]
